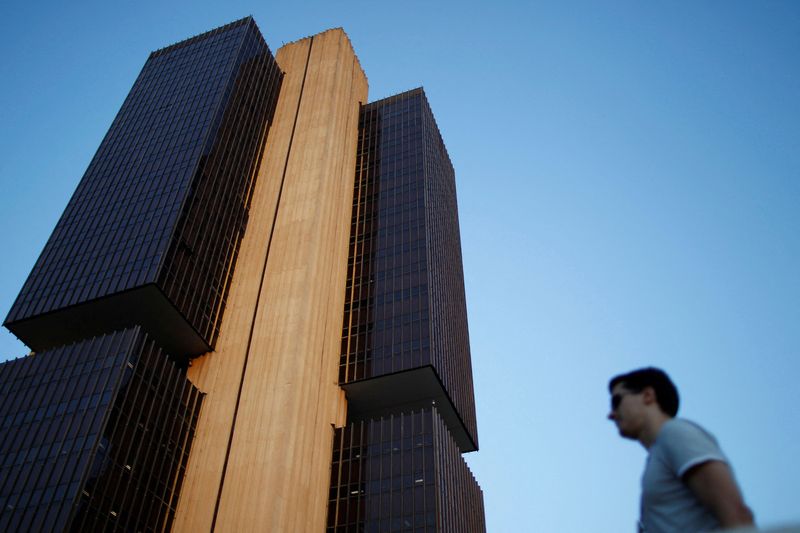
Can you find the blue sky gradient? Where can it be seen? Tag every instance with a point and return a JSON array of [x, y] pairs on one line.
[[628, 188]]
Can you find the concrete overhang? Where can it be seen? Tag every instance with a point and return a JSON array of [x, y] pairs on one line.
[[403, 391]]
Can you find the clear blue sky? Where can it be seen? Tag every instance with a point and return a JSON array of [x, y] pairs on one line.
[[628, 186]]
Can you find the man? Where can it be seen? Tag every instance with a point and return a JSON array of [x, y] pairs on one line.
[[687, 485]]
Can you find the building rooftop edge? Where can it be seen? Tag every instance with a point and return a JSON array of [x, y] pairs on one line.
[[347, 38], [407, 94], [400, 95], [184, 42]]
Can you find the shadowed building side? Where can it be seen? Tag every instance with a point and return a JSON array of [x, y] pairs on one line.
[[265, 435], [95, 435], [405, 340], [151, 234], [402, 472], [405, 359]]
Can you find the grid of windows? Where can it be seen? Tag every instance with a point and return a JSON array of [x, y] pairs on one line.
[[404, 309], [199, 263], [386, 323], [448, 303], [73, 415], [459, 498], [177, 163], [401, 473], [405, 305], [52, 407], [135, 476]]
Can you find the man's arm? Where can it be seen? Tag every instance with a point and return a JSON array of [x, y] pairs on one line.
[[713, 485]]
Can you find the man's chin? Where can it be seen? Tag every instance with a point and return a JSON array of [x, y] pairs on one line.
[[625, 435]]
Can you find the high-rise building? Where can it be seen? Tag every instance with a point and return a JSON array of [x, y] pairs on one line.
[[151, 234], [405, 360], [251, 315]]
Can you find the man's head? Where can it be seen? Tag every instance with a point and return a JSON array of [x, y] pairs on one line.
[[653, 398], [637, 380]]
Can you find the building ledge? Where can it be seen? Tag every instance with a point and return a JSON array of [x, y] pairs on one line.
[[145, 305], [403, 391]]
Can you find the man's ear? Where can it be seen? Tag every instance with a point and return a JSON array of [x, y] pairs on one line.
[[649, 395]]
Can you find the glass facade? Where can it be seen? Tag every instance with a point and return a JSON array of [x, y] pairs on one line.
[[405, 306], [95, 436], [387, 319], [402, 473], [405, 358], [152, 231]]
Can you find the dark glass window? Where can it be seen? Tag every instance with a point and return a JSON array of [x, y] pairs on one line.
[[402, 473], [154, 226], [111, 411], [405, 306]]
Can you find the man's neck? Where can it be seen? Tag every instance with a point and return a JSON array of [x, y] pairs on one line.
[[652, 428]]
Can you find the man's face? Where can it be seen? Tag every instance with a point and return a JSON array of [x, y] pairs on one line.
[[627, 411]]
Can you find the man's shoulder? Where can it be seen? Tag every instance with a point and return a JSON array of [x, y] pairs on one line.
[[681, 428], [684, 444]]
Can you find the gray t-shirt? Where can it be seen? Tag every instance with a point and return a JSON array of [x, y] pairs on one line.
[[668, 506]]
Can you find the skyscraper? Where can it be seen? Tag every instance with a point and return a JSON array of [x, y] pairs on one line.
[[151, 234], [210, 351], [405, 360]]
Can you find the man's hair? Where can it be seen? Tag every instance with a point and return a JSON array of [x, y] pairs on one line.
[[637, 380]]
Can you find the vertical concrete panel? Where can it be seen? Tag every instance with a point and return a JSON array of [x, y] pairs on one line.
[[220, 373], [279, 463]]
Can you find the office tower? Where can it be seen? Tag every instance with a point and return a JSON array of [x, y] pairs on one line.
[[96, 434], [151, 234], [195, 289], [405, 360]]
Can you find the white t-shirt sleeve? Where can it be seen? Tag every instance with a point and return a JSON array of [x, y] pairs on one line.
[[686, 445]]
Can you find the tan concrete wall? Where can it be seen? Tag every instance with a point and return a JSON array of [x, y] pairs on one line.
[[287, 326]]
